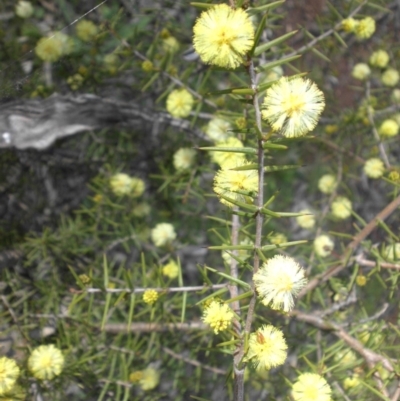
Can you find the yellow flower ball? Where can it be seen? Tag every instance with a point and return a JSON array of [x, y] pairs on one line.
[[365, 28], [327, 183], [293, 106], [349, 24], [361, 280], [179, 103], [311, 387], [171, 270], [218, 315], [228, 158], [223, 36], [278, 238], [137, 187], [150, 379], [307, 220], [267, 348], [351, 382], [120, 184], [278, 280], [240, 186], [184, 158], [24, 9], [147, 66], [170, 44], [390, 77], [374, 168], [49, 49], [396, 95], [9, 373], [341, 208], [323, 246], [361, 71], [380, 59], [150, 297], [389, 128], [141, 210], [218, 129], [86, 30], [46, 362], [163, 234]]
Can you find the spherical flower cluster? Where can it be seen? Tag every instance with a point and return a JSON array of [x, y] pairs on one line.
[[49, 49], [361, 71], [9, 372], [278, 280], [179, 103], [351, 382], [278, 238], [150, 297], [218, 129], [311, 387], [240, 186], [267, 348], [365, 28], [184, 158], [388, 128], [396, 95], [150, 379], [307, 220], [163, 234], [392, 252], [361, 280], [327, 183], [46, 362], [228, 158], [293, 106], [218, 316], [323, 246], [171, 269], [170, 44], [123, 184], [379, 59], [223, 36], [374, 168], [141, 210], [390, 77], [349, 24], [86, 30], [341, 208], [147, 66], [24, 9]]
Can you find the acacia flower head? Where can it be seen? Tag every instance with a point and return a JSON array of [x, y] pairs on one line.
[[311, 387], [267, 347], [46, 362], [179, 103], [218, 129], [341, 208], [349, 24], [223, 36], [364, 28], [361, 71], [379, 58], [163, 234], [327, 183], [9, 372], [293, 106], [278, 280], [241, 185], [306, 220], [218, 315], [184, 158], [390, 77], [49, 49], [374, 167], [228, 158], [388, 128], [86, 30], [24, 9], [323, 245], [150, 379], [171, 269], [150, 297]]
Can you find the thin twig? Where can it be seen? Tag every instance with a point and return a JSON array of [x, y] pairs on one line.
[[145, 327]]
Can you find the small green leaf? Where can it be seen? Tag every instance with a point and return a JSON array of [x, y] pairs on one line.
[[266, 7], [250, 151], [230, 278], [266, 46], [275, 63]]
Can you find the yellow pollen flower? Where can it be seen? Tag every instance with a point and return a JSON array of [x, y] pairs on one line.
[[390, 77], [228, 158], [179, 103], [9, 372], [86, 30], [323, 246], [361, 71], [267, 347], [307, 220], [293, 106], [341, 208], [365, 28], [183, 158], [389, 128], [218, 316], [278, 280], [327, 183], [311, 387], [374, 168], [150, 297], [163, 234], [241, 186], [379, 58], [171, 269], [46, 362], [49, 49], [349, 24], [150, 379], [218, 129], [223, 36]]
